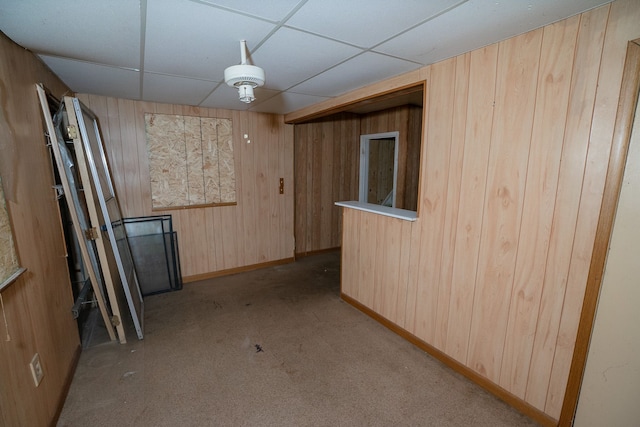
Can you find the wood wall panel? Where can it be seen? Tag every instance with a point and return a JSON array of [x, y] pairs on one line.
[[384, 239], [437, 141], [407, 121], [259, 229], [415, 260], [623, 21], [452, 202], [477, 137], [554, 80], [587, 59], [326, 171], [302, 177], [131, 162], [350, 250], [287, 164], [341, 181], [37, 305], [517, 141], [318, 216], [327, 162], [367, 259], [414, 142], [379, 267], [616, 397], [327, 233], [507, 169], [407, 261]]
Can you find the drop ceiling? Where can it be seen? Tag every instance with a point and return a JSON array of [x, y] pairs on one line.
[[175, 51]]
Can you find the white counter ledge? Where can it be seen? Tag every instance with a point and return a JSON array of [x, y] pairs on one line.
[[380, 210]]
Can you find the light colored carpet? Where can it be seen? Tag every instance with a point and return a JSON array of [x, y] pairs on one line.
[[272, 347]]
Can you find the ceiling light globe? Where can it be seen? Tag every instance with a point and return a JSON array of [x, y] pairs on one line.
[[246, 93]]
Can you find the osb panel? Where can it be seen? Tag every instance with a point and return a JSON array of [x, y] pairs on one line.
[[210, 161], [225, 161], [190, 160], [8, 258], [195, 176], [167, 160]]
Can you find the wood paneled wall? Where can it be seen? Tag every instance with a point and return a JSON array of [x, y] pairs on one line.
[[381, 168], [327, 166], [38, 304], [258, 230], [516, 145], [326, 170], [407, 120]]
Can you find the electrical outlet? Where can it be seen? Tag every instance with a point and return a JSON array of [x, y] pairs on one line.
[[36, 369]]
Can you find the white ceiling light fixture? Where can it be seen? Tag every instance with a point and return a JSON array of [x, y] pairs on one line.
[[245, 76]]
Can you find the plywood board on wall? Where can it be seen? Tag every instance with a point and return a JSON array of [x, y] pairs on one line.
[[190, 160], [8, 257]]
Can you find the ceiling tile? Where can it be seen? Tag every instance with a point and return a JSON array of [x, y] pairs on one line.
[[73, 29], [194, 40], [286, 102], [359, 71], [272, 10], [84, 77], [365, 23], [175, 90], [227, 97], [325, 48], [304, 55], [477, 23]]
